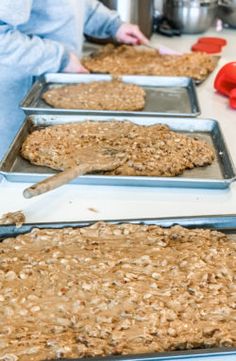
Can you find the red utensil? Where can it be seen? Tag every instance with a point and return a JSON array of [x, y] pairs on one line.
[[212, 40], [225, 82], [232, 98], [207, 48], [211, 45]]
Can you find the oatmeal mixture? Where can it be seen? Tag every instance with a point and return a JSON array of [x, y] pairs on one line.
[[115, 289], [127, 59], [17, 218], [100, 95], [151, 150]]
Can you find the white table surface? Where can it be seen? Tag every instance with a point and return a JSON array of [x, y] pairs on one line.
[[77, 202]]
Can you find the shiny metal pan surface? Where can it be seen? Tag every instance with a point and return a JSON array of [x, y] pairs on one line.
[[165, 96], [220, 174]]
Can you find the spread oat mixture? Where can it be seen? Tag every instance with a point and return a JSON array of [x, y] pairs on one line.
[[151, 150], [115, 289], [127, 59], [99, 95]]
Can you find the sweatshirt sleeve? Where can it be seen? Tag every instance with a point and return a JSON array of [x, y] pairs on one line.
[[100, 22], [29, 54]]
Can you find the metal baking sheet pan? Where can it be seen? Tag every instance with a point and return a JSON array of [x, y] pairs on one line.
[[165, 96], [218, 175], [92, 49], [226, 224]]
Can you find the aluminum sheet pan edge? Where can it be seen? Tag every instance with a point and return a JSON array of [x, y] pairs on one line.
[[165, 96], [225, 223], [94, 180], [217, 176]]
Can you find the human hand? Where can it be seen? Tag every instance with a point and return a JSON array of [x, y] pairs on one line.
[[131, 34], [74, 65]]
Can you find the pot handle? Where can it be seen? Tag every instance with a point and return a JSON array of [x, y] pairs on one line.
[[232, 98], [207, 3]]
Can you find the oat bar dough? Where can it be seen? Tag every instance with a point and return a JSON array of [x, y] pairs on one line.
[[127, 59], [17, 218], [151, 150], [99, 95], [115, 289]]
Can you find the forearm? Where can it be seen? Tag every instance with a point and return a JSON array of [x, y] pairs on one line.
[[30, 54], [100, 22]]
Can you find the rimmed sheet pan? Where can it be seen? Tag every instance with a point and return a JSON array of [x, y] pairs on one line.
[[165, 96], [218, 175], [226, 224]]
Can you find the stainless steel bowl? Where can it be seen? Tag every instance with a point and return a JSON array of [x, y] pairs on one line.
[[191, 16], [227, 12]]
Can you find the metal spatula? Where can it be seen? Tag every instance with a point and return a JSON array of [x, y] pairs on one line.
[[163, 50], [91, 159]]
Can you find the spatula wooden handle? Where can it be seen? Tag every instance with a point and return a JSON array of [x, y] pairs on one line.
[[57, 180]]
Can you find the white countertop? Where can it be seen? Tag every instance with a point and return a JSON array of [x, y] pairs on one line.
[[77, 202]]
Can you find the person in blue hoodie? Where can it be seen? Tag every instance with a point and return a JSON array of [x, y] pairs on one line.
[[41, 36]]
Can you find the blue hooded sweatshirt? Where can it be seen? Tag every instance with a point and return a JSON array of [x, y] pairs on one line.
[[36, 37]]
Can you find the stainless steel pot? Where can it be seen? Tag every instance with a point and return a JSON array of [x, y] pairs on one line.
[[191, 16], [227, 12], [138, 12]]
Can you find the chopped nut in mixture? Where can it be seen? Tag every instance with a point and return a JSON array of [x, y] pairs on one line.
[[98, 95], [115, 289], [126, 59], [17, 218], [151, 150]]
